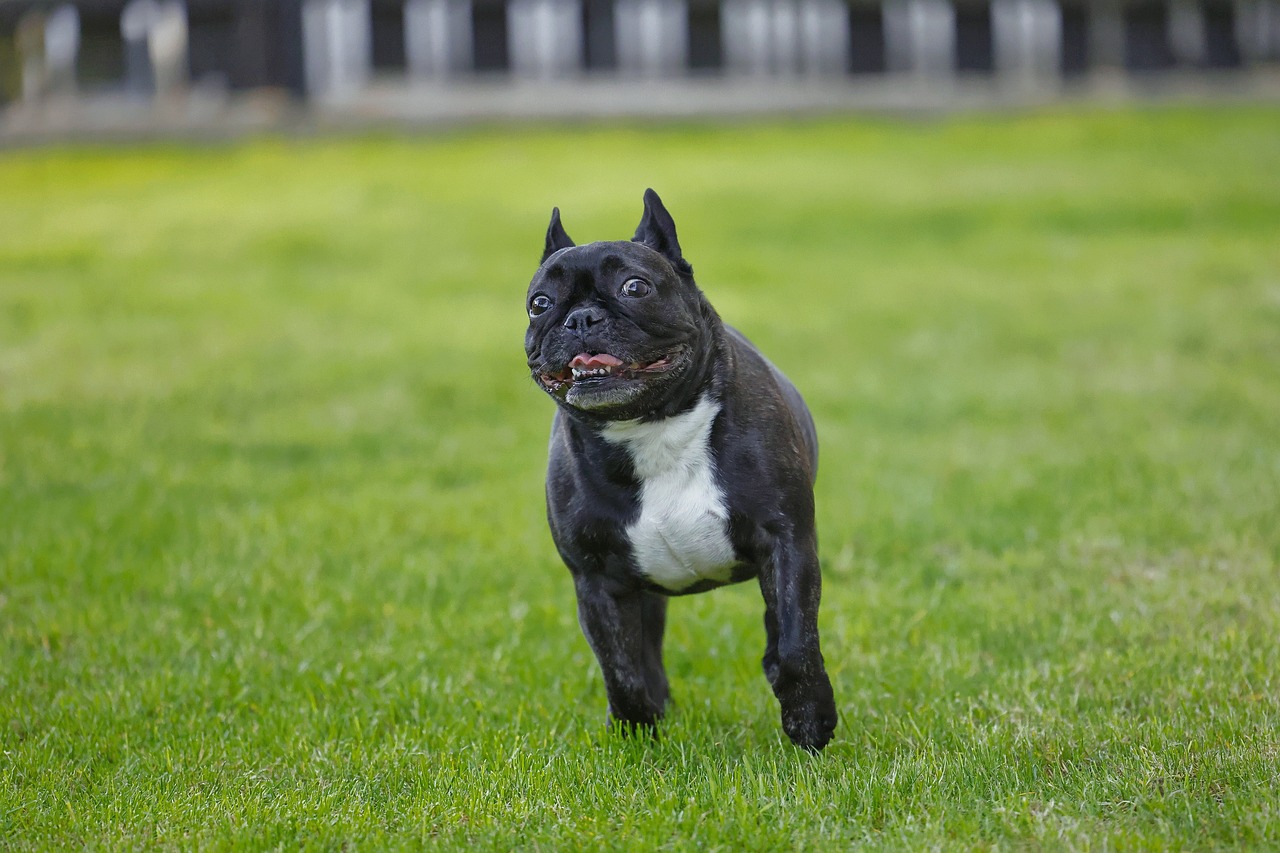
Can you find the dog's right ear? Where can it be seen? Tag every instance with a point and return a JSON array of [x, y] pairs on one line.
[[557, 239], [657, 230]]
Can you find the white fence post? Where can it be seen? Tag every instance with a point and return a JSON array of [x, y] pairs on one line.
[[652, 37], [824, 36], [167, 46], [1027, 38], [744, 28], [61, 48], [784, 29], [337, 46], [920, 37], [545, 37], [785, 36], [437, 37]]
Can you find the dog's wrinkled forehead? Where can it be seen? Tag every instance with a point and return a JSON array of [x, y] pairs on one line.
[[601, 265]]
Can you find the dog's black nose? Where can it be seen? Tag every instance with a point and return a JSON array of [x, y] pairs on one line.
[[581, 319]]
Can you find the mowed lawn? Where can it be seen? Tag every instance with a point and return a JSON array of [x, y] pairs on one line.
[[274, 570]]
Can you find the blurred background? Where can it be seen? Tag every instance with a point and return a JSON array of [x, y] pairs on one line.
[[124, 66]]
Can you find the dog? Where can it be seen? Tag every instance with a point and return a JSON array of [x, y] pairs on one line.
[[680, 460]]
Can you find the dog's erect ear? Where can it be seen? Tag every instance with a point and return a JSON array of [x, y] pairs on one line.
[[557, 239], [657, 230]]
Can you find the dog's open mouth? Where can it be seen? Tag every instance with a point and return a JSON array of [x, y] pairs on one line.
[[599, 367]]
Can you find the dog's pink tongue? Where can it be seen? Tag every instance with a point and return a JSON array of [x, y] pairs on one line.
[[590, 362]]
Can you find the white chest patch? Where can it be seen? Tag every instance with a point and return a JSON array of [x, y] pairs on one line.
[[682, 534]]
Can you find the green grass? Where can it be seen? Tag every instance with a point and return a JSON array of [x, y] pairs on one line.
[[273, 563]]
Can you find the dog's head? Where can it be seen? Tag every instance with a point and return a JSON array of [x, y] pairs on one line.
[[618, 330]]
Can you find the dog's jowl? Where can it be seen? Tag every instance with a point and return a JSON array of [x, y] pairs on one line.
[[680, 460]]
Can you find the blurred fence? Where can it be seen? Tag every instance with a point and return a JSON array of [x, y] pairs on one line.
[[332, 49]]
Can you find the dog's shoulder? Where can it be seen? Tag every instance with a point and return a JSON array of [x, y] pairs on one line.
[[770, 389]]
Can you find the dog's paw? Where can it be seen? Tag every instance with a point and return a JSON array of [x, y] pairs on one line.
[[809, 718], [810, 727]]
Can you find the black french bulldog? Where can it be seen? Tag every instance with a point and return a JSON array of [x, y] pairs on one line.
[[680, 460]]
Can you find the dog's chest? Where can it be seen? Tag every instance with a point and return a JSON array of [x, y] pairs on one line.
[[681, 535]]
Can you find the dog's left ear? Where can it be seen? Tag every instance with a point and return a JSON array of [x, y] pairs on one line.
[[657, 230], [557, 239]]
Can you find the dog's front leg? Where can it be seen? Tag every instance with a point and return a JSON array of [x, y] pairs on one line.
[[792, 587], [624, 630]]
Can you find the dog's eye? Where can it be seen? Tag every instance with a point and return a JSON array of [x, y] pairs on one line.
[[636, 287], [539, 304]]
